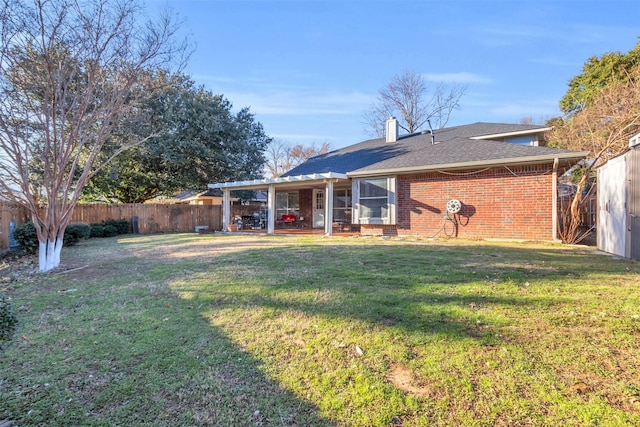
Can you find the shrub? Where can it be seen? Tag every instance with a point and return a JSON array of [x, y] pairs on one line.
[[8, 320], [75, 232], [110, 231], [122, 225], [109, 228], [97, 230], [26, 237]]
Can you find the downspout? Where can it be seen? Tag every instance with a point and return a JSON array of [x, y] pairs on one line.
[[554, 195]]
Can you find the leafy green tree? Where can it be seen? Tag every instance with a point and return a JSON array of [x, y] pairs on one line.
[[203, 141], [603, 112], [597, 72]]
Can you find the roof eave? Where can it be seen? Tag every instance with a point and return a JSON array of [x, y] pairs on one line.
[[515, 133], [577, 156]]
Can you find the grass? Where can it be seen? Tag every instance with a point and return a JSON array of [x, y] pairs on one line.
[[249, 331]]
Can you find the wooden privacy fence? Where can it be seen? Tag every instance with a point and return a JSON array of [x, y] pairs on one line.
[[588, 210], [153, 218], [9, 211]]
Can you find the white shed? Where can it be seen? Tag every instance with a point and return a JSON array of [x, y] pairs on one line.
[[619, 203]]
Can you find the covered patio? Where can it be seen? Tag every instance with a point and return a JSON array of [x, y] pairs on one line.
[[304, 204], [337, 231]]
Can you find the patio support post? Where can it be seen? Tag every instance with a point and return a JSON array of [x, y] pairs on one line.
[[226, 208], [328, 208], [271, 209]]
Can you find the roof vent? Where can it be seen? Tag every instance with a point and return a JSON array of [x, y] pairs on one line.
[[392, 129], [433, 136], [634, 140]]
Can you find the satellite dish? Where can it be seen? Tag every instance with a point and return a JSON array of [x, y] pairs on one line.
[[454, 206]]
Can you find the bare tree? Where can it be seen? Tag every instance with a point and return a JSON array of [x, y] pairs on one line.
[[603, 128], [70, 72], [529, 120], [282, 157], [414, 101]]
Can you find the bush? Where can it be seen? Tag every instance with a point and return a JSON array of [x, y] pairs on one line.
[[97, 230], [26, 237], [122, 225], [110, 228], [8, 320], [75, 232], [110, 231]]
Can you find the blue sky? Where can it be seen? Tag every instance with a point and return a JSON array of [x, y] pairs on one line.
[[308, 69]]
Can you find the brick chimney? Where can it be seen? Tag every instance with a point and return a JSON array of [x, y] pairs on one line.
[[392, 129]]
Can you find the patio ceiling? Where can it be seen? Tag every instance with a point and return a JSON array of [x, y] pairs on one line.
[[299, 181]]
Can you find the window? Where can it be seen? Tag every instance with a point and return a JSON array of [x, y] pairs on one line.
[[342, 205], [375, 200], [523, 140], [319, 200], [287, 204]]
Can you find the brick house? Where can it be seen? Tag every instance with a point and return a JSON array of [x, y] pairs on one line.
[[483, 180]]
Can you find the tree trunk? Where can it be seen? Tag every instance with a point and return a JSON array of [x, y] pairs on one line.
[[570, 216], [49, 254], [71, 74]]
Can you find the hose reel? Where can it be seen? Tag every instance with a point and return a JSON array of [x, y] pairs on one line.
[[454, 206]]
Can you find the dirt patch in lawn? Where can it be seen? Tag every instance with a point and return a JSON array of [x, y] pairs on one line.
[[403, 379]]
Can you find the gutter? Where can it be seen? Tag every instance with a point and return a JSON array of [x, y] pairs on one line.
[[466, 165]]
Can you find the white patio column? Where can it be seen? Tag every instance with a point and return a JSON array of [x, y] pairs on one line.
[[226, 208], [328, 208], [271, 209]]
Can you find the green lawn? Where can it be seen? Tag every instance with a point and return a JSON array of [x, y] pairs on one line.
[[189, 329]]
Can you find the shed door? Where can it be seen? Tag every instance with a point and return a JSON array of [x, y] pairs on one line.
[[633, 201], [612, 212]]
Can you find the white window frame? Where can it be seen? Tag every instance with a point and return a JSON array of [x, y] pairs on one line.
[[342, 203], [291, 203], [391, 217]]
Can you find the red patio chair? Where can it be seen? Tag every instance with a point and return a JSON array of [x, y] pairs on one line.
[[288, 219]]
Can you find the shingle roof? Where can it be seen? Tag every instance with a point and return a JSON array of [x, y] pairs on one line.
[[453, 148], [198, 193], [479, 129]]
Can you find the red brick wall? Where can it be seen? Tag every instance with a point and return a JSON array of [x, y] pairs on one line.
[[514, 203], [379, 230]]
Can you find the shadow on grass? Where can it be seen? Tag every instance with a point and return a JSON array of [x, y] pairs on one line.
[[433, 288], [429, 289], [122, 349], [229, 387], [450, 290]]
